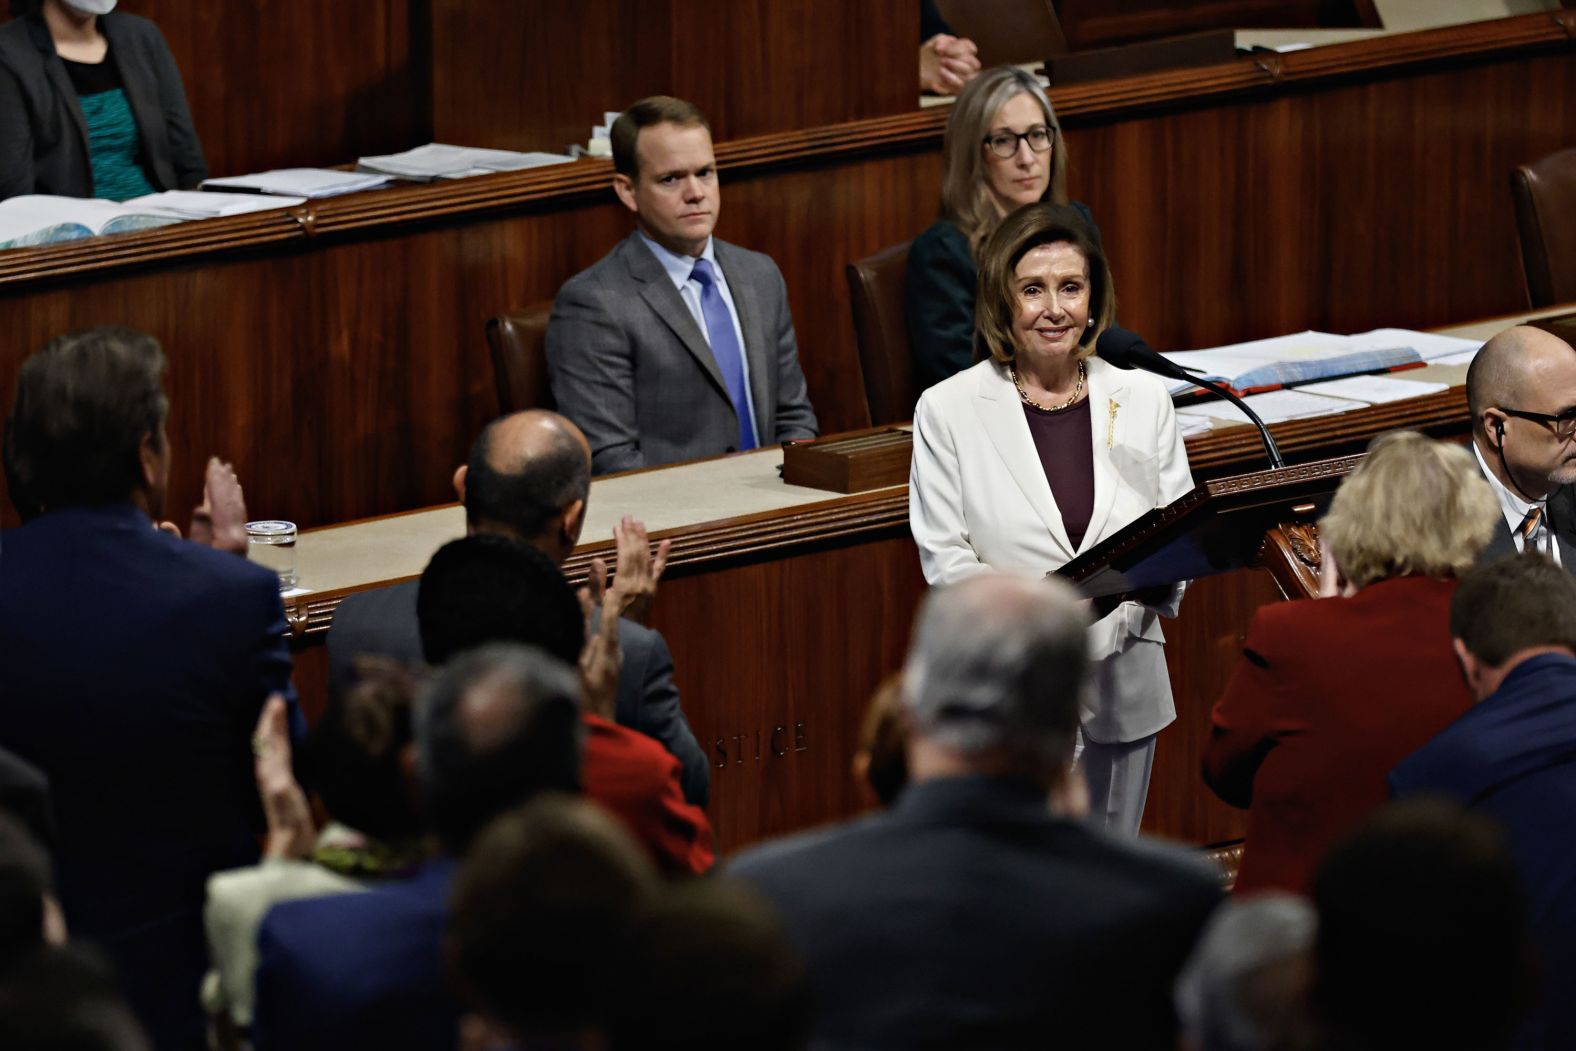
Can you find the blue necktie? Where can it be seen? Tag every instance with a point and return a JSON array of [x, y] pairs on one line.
[[725, 348]]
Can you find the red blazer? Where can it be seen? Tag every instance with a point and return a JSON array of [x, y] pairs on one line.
[[637, 779], [1329, 695]]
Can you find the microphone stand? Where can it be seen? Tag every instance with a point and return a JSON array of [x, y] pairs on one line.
[[1270, 448]]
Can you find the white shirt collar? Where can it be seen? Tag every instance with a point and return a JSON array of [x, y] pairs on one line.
[[679, 266], [1511, 503]]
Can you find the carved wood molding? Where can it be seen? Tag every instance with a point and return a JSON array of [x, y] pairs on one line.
[[921, 129], [695, 549], [1291, 555]]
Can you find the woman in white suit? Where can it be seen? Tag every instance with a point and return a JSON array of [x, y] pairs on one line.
[[1039, 452]]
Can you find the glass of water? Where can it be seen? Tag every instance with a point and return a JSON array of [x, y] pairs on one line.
[[272, 544]]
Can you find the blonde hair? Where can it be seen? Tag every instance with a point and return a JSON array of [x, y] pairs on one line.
[[1413, 506], [965, 198], [996, 303]]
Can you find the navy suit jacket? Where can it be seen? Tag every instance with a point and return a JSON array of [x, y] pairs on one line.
[[383, 622], [968, 916], [358, 970], [1513, 758], [135, 667]]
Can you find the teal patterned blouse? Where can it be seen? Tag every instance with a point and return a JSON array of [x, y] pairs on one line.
[[113, 139]]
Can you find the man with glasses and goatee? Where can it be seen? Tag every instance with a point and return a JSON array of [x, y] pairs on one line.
[[1522, 392]]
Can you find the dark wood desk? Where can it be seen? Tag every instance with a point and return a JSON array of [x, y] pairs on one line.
[[785, 607]]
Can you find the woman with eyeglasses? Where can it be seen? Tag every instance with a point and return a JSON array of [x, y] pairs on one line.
[[91, 105], [1003, 149]]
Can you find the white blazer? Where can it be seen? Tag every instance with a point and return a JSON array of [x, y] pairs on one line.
[[978, 499]]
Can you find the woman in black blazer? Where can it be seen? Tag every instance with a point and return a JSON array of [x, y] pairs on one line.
[[91, 105], [1004, 149]]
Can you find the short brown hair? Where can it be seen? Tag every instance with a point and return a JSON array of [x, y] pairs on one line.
[[996, 304], [1514, 604], [1413, 506], [657, 109]]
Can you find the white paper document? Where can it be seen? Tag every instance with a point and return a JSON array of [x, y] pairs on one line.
[[1461, 357], [1374, 390], [302, 182], [1429, 346], [438, 161], [1272, 406], [37, 219], [200, 204]]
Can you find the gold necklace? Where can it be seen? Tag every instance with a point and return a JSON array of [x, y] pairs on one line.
[[1064, 406]]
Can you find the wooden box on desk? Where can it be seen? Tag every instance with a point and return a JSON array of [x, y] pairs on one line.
[[851, 463]]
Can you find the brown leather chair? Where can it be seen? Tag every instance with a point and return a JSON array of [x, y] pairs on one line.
[[518, 341], [1545, 196], [875, 291]]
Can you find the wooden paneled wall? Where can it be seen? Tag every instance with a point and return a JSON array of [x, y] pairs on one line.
[[336, 354], [537, 74], [289, 83]]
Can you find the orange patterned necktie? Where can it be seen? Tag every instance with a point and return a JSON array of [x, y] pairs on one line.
[[1531, 530]]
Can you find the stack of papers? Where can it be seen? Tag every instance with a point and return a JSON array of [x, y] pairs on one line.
[[1283, 361], [198, 204], [1274, 407], [301, 182], [437, 161]]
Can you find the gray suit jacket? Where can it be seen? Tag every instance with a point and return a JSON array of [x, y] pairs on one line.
[[383, 622], [628, 364], [43, 135]]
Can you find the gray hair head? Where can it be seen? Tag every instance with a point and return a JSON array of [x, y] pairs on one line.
[[1226, 998], [998, 663]]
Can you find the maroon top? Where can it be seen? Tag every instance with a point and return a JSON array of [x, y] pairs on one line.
[[1066, 448]]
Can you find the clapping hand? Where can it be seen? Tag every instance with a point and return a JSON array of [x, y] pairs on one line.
[[637, 572], [290, 830], [601, 660], [219, 521]]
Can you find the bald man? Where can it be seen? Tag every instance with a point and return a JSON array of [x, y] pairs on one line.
[[1521, 390], [528, 477]]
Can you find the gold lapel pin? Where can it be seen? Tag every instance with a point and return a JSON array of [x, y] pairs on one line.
[[1110, 426]]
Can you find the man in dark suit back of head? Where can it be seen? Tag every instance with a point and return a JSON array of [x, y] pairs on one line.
[[978, 911]]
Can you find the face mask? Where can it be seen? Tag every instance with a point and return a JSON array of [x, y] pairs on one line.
[[91, 7]]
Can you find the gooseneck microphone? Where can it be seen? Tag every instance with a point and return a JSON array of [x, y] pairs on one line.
[[1127, 350]]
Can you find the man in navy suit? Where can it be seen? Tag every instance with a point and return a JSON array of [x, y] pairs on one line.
[[1512, 757], [528, 478], [978, 912], [498, 726], [135, 665]]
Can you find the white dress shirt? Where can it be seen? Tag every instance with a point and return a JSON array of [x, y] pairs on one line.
[[1515, 509], [679, 268]]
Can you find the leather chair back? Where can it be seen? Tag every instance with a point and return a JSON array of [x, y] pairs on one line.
[[518, 342], [1544, 193], [875, 291]]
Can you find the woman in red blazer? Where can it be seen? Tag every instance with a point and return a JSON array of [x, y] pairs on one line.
[[1331, 693]]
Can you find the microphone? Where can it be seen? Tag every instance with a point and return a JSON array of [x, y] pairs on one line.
[[1127, 350]]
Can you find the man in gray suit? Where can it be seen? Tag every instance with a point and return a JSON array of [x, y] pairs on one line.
[[979, 911], [674, 345], [529, 478], [1521, 390]]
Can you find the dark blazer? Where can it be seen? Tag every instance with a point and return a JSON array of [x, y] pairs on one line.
[[135, 667], [43, 135], [358, 970], [628, 364], [383, 622], [1561, 508], [1513, 759], [938, 300], [968, 917], [1328, 695]]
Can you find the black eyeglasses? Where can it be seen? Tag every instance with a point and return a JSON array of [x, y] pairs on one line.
[[1562, 423], [1005, 143]]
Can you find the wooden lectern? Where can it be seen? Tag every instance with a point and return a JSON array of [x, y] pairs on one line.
[[1265, 518]]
